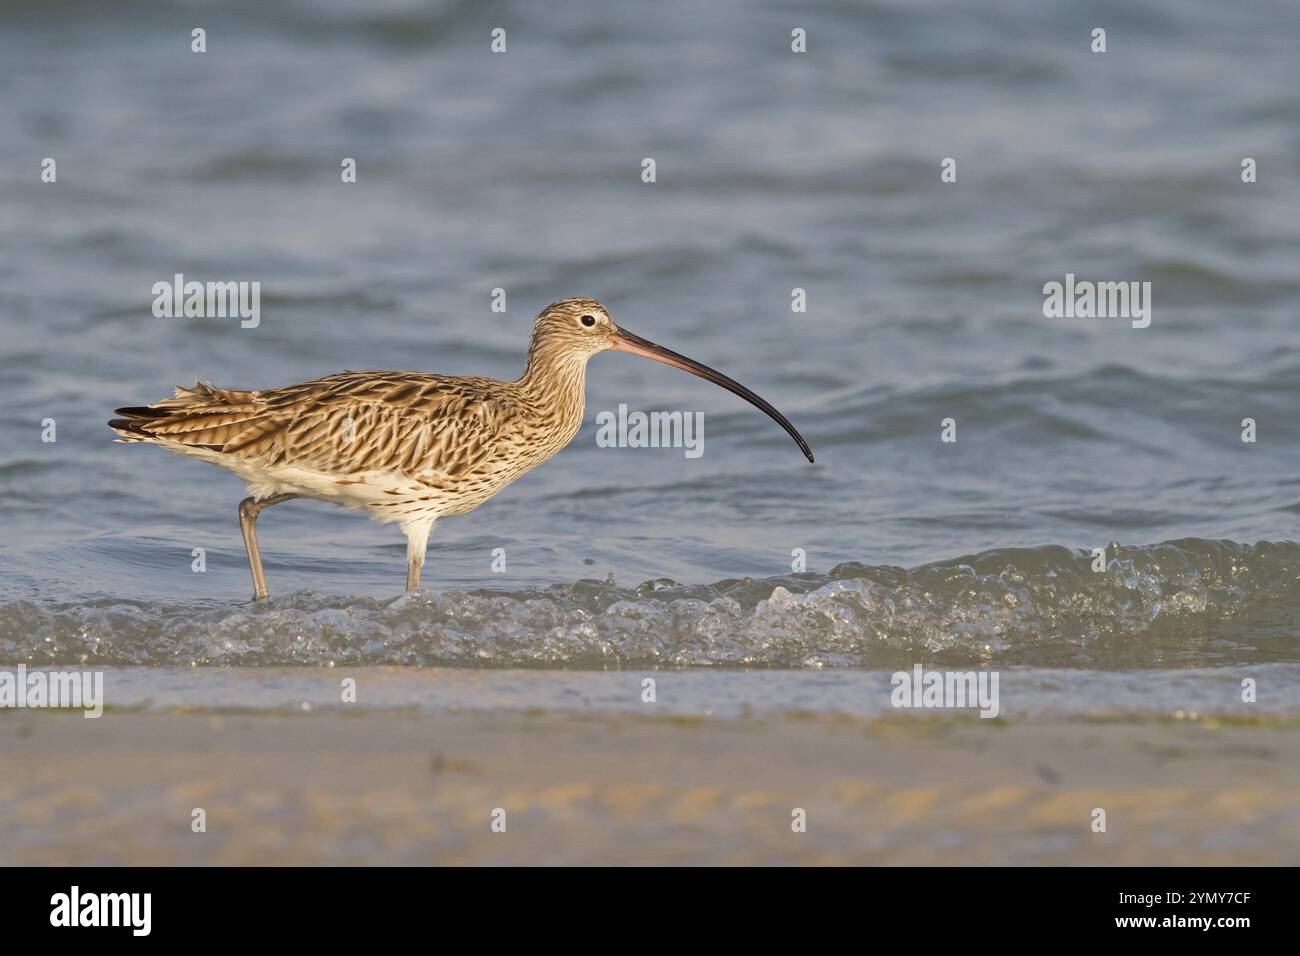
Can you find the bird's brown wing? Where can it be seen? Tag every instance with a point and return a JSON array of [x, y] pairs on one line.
[[426, 426]]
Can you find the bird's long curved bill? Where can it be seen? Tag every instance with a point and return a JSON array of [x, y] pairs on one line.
[[625, 341]]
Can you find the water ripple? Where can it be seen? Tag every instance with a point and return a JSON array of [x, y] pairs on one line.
[[1181, 603]]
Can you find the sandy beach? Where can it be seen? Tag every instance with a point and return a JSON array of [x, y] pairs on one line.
[[1026, 306], [395, 787]]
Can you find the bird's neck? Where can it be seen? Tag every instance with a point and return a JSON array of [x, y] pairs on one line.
[[557, 383]]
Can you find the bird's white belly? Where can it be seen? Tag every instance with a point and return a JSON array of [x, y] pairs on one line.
[[375, 492], [385, 495]]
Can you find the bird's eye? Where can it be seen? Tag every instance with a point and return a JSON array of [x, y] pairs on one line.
[[588, 320]]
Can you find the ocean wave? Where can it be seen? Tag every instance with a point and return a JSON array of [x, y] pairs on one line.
[[1182, 603]]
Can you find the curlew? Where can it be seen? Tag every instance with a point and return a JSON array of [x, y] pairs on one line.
[[410, 447]]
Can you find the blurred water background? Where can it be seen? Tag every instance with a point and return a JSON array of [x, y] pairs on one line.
[[775, 171]]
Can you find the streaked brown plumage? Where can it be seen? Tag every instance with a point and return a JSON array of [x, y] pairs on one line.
[[409, 447]]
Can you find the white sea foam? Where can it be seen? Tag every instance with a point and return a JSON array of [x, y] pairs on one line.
[[1180, 604]]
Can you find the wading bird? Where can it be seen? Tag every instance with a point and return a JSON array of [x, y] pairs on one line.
[[410, 447]]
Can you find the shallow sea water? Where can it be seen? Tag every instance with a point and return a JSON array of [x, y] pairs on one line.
[[775, 171]]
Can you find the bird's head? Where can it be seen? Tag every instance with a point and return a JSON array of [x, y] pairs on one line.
[[573, 330]]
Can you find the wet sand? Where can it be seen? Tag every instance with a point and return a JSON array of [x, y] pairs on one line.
[[416, 788]]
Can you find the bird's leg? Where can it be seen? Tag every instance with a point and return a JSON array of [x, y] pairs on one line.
[[417, 540], [249, 509]]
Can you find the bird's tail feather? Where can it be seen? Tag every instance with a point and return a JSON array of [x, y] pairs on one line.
[[140, 422]]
